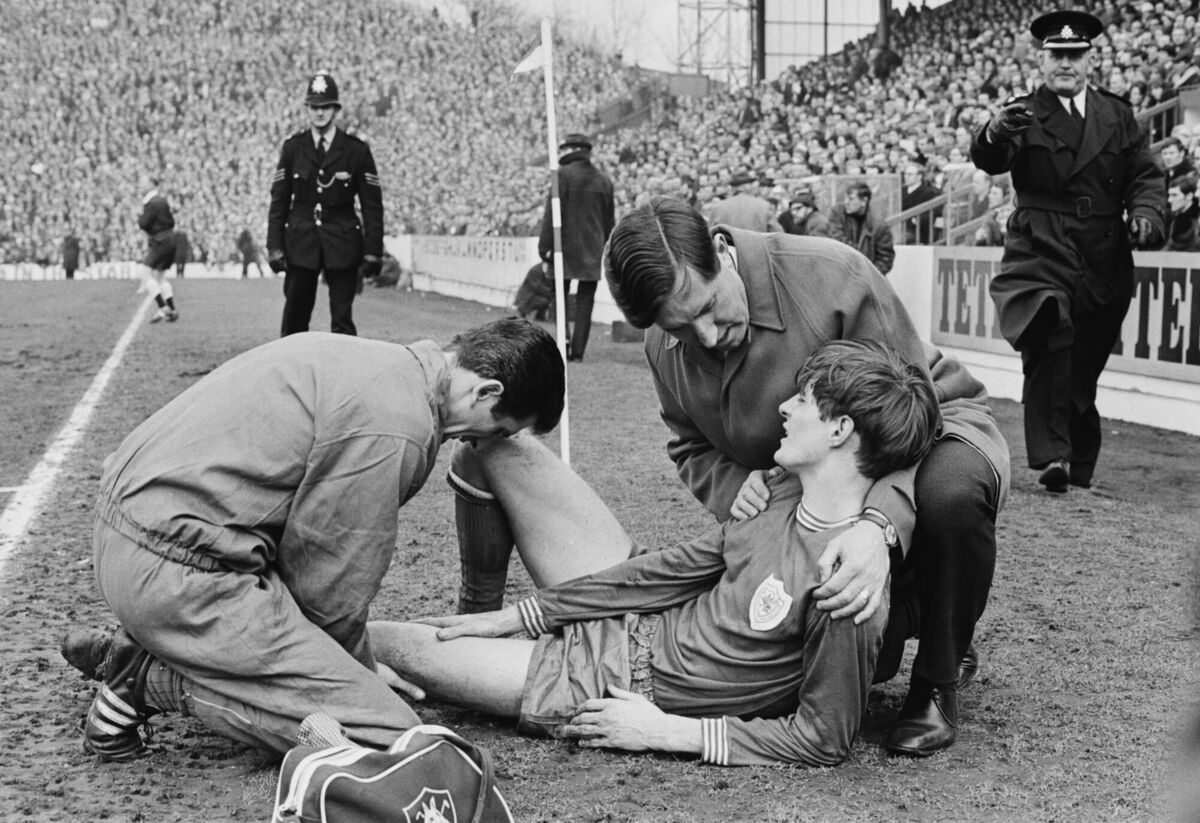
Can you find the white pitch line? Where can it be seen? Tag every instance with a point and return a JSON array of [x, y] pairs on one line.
[[26, 504]]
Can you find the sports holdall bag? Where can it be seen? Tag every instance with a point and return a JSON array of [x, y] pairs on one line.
[[429, 775]]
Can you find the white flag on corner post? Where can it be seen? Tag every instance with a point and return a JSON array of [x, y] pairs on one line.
[[536, 59]]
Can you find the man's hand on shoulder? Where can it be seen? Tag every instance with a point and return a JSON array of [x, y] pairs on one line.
[[854, 571]]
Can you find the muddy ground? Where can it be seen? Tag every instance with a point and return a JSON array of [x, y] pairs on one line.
[[1088, 643]]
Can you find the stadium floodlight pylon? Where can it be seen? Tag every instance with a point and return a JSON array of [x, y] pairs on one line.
[[714, 38], [542, 57]]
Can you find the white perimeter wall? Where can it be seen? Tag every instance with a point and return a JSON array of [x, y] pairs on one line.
[[490, 269]]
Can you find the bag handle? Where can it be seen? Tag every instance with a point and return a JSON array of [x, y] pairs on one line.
[[481, 756]]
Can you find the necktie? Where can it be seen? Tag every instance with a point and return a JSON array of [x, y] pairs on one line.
[[1075, 112], [321, 151]]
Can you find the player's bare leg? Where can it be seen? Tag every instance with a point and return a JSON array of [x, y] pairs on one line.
[[160, 289], [517, 490], [482, 673]]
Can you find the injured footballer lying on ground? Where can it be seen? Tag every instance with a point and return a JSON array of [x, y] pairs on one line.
[[713, 647]]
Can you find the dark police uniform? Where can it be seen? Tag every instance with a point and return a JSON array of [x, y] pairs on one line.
[[1066, 278], [313, 221]]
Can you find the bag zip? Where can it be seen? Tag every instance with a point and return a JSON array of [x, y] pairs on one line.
[[303, 773]]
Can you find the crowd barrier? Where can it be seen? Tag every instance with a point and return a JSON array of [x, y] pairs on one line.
[[486, 269], [1153, 377], [122, 271]]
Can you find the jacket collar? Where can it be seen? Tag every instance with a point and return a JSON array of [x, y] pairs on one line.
[[758, 274], [575, 157], [1099, 123]]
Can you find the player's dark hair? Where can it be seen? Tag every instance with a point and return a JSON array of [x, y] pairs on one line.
[[525, 359], [891, 401], [645, 251]]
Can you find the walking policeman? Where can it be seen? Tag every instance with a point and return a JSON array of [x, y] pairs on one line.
[[312, 226], [1088, 192]]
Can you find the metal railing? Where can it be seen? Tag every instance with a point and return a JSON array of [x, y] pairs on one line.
[[946, 220]]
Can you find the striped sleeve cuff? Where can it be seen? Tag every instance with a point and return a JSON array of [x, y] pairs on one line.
[[532, 617], [714, 734]]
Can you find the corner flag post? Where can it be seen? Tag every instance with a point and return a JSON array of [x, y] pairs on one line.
[[542, 56], [560, 301]]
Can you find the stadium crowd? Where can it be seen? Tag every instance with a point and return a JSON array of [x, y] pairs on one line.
[[871, 111], [203, 93]]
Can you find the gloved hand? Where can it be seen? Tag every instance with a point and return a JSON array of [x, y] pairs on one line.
[[277, 261], [1012, 120], [371, 266], [1144, 233]]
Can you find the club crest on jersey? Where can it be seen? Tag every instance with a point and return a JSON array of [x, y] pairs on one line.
[[431, 806], [769, 605]]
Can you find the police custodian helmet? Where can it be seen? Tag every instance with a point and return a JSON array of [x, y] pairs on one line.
[[322, 91]]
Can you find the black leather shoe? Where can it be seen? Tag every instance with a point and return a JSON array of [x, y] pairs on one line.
[[1056, 477], [928, 721], [85, 649], [968, 667]]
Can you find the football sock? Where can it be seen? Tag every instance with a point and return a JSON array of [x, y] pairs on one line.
[[164, 688], [485, 544]]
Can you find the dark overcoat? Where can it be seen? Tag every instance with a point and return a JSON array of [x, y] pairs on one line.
[[312, 217], [588, 214], [1066, 239]]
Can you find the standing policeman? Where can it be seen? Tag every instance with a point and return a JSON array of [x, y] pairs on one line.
[[1079, 163], [312, 226]]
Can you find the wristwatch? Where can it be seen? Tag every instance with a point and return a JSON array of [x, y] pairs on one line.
[[891, 537]]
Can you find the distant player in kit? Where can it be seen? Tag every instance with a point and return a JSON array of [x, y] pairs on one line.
[[713, 647], [158, 223], [312, 227], [240, 544]]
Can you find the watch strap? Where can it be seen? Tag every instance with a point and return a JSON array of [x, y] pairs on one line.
[[890, 537]]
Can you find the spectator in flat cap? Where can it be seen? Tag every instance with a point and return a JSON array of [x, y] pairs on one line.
[[802, 216], [1079, 162], [588, 212], [744, 209]]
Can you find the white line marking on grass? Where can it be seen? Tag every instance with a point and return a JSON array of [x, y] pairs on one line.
[[25, 506]]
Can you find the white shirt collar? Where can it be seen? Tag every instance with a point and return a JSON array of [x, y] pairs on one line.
[[316, 138], [1080, 101]]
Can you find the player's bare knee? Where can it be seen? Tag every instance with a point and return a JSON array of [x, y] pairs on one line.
[[467, 475]]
